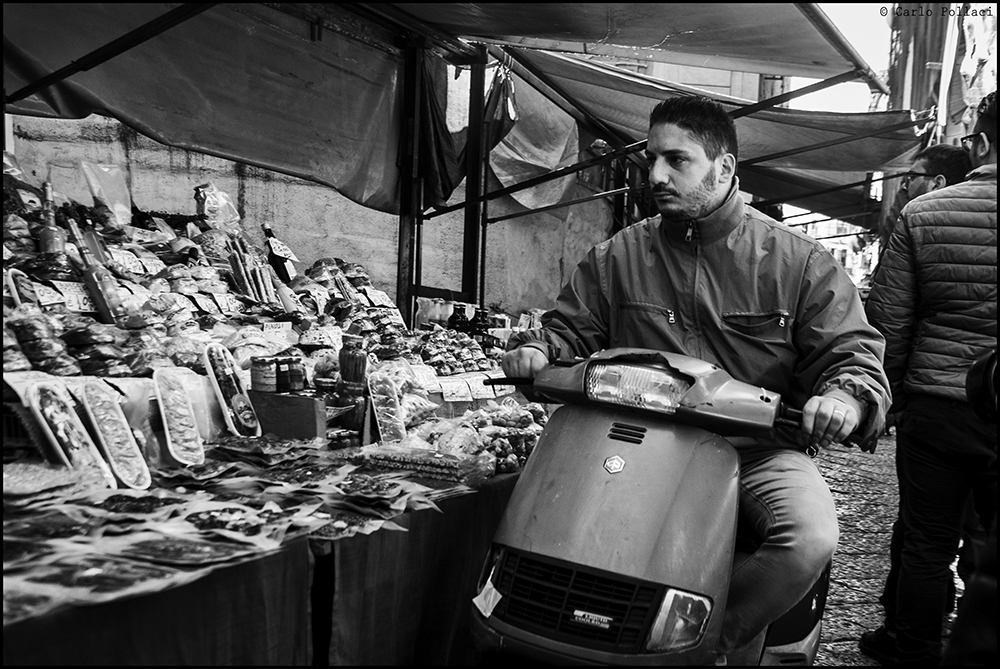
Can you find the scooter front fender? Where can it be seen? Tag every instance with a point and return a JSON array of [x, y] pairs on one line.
[[632, 495]]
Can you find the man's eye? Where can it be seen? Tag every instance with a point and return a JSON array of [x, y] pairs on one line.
[[677, 160]]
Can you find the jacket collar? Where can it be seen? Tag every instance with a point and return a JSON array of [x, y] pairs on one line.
[[711, 227], [983, 173]]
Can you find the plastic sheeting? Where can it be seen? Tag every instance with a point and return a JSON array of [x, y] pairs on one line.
[[240, 81]]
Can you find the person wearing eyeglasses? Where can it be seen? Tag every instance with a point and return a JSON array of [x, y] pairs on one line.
[[934, 300]]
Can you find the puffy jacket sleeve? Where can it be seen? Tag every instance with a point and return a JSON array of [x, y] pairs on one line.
[[840, 352], [892, 304], [578, 325]]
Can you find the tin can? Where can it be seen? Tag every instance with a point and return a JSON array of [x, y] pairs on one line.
[[263, 374], [296, 374]]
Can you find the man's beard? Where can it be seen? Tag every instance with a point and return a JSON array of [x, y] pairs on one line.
[[696, 204]]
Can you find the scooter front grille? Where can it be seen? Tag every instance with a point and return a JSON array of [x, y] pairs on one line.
[[565, 602]]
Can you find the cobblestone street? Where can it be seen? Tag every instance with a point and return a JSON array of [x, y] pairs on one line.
[[864, 487]]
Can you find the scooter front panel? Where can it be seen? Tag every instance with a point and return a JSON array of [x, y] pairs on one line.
[[629, 494]]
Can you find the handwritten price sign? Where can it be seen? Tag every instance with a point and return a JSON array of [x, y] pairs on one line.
[[77, 297]]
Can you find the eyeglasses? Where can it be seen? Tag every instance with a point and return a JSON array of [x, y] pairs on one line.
[[908, 177], [967, 140]]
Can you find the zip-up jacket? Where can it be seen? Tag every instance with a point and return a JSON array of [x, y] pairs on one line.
[[768, 304], [935, 295]]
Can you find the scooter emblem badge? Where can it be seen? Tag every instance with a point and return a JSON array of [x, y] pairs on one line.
[[614, 464]]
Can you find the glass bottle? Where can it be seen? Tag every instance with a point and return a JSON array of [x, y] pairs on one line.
[[100, 282], [480, 325], [52, 238], [353, 360], [279, 256], [459, 319]]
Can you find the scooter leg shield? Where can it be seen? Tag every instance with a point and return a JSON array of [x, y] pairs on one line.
[[614, 497]]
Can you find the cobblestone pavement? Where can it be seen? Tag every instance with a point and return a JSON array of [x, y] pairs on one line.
[[865, 490]]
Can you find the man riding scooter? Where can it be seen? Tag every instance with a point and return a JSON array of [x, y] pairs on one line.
[[715, 279]]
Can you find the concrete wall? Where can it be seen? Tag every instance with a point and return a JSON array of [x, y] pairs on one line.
[[528, 259]]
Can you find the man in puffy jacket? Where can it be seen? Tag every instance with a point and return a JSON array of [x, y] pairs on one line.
[[935, 301], [715, 279]]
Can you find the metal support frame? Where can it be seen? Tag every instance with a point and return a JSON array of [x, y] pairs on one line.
[[410, 185], [798, 92], [114, 48]]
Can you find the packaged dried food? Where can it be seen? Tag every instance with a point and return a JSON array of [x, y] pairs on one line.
[[61, 365], [114, 435], [184, 443], [116, 369], [9, 340], [238, 412], [184, 286], [38, 350], [95, 333], [186, 352], [98, 352], [212, 286], [204, 273], [31, 328], [385, 405], [15, 361], [214, 243], [52, 408], [416, 409]]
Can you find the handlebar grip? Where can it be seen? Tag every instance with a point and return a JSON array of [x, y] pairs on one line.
[[509, 381]]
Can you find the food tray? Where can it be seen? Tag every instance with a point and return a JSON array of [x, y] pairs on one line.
[[53, 410], [114, 435], [184, 444], [237, 410]]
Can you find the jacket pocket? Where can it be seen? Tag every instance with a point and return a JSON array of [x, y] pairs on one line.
[[774, 325]]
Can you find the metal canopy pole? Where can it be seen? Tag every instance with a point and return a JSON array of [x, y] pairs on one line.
[[791, 95], [114, 48], [410, 191], [473, 180]]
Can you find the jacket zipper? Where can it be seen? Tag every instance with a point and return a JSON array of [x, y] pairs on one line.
[[690, 231], [670, 316]]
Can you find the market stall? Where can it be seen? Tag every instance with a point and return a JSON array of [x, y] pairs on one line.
[[195, 410]]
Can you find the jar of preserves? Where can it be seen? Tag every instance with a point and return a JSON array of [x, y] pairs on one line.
[[354, 395], [263, 374], [353, 360]]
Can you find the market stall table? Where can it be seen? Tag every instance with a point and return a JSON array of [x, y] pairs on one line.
[[405, 598], [255, 612]]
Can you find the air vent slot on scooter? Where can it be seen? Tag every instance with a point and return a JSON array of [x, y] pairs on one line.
[[632, 434]]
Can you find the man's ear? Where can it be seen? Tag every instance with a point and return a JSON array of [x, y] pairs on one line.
[[728, 168], [938, 182]]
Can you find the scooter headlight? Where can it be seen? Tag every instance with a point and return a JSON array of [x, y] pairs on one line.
[[680, 622], [637, 387]]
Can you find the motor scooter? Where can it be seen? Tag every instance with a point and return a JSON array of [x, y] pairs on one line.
[[619, 538]]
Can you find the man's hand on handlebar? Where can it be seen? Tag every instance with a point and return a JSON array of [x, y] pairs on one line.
[[828, 420], [524, 362]]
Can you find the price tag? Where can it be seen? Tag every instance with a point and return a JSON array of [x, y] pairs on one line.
[[152, 265], [281, 249], [279, 327], [7, 253], [77, 297], [227, 303], [455, 389], [427, 377], [187, 302], [378, 297], [480, 390], [524, 322], [128, 260], [205, 303], [46, 296]]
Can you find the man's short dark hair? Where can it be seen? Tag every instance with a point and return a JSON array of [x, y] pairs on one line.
[[987, 120], [951, 162], [704, 118]]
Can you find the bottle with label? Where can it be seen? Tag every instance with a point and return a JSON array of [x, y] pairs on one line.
[[100, 282], [479, 326], [353, 360], [52, 238], [459, 319], [279, 255]]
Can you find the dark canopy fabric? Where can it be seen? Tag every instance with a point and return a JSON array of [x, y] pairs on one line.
[[253, 83], [240, 81], [623, 100], [771, 38]]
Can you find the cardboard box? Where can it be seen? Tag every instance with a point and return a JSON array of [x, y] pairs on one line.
[[290, 416]]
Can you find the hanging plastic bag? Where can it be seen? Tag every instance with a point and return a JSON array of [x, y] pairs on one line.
[[109, 189], [217, 207]]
